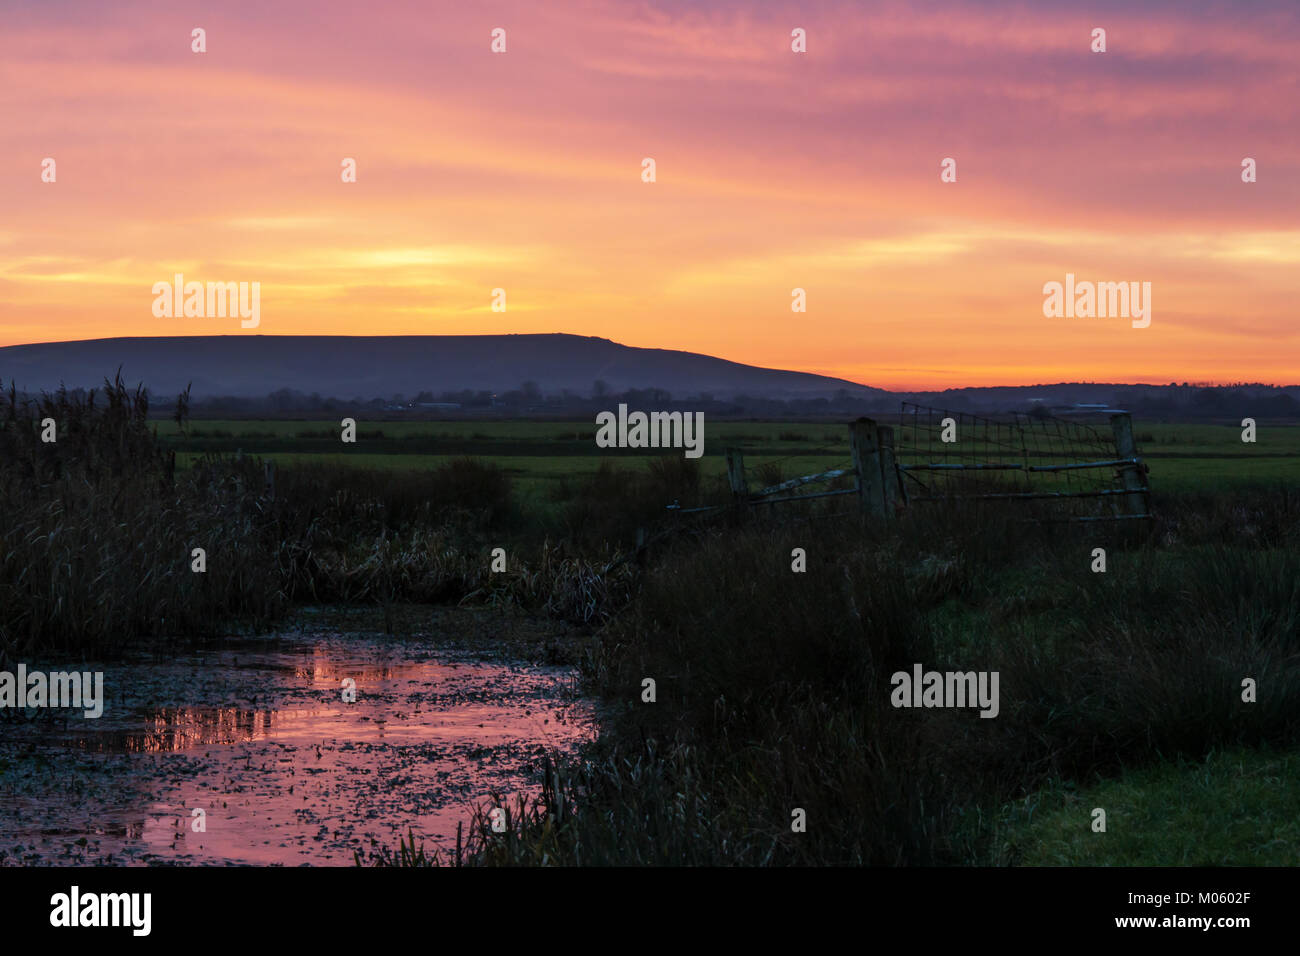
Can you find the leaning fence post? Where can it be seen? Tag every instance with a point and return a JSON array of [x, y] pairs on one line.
[[888, 470], [864, 443], [736, 475], [269, 468], [1131, 474], [736, 472]]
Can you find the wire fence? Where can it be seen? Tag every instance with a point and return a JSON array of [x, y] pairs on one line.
[[1084, 471], [1051, 468]]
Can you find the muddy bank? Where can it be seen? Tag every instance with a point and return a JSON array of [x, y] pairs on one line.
[[256, 733]]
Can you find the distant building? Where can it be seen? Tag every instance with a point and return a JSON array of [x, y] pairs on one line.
[[1087, 408]]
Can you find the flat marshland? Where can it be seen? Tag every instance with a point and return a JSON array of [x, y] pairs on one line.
[[1120, 690]]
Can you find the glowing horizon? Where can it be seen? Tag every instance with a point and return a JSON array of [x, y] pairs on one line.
[[775, 171]]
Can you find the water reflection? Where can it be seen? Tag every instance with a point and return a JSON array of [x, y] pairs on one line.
[[177, 728], [282, 768]]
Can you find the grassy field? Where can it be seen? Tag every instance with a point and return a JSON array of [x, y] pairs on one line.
[[1120, 689], [539, 455], [1232, 806]]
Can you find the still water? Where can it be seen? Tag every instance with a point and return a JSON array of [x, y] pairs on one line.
[[257, 735]]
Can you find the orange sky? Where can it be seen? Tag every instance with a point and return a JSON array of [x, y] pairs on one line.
[[775, 170]]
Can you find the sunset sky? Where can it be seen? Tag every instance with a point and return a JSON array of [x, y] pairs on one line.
[[775, 170]]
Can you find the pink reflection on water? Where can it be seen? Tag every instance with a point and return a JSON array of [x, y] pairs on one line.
[[284, 770]]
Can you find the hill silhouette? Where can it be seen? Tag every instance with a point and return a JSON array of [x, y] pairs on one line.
[[347, 366]]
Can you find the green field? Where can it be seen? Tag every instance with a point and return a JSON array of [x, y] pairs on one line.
[[539, 455], [1234, 806]]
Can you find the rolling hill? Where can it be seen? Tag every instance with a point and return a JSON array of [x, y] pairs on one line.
[[369, 366]]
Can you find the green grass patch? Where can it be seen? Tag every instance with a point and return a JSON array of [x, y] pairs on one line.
[[1237, 807]]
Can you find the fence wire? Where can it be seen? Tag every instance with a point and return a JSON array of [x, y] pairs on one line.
[[1070, 468]]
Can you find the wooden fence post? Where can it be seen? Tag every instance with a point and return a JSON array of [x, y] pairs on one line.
[[1131, 475], [736, 471], [864, 443], [736, 476], [888, 470]]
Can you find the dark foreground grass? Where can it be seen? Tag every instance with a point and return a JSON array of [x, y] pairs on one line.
[[773, 694], [99, 534], [771, 687]]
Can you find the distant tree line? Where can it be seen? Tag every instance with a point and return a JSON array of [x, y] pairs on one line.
[[1173, 402], [1210, 402]]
